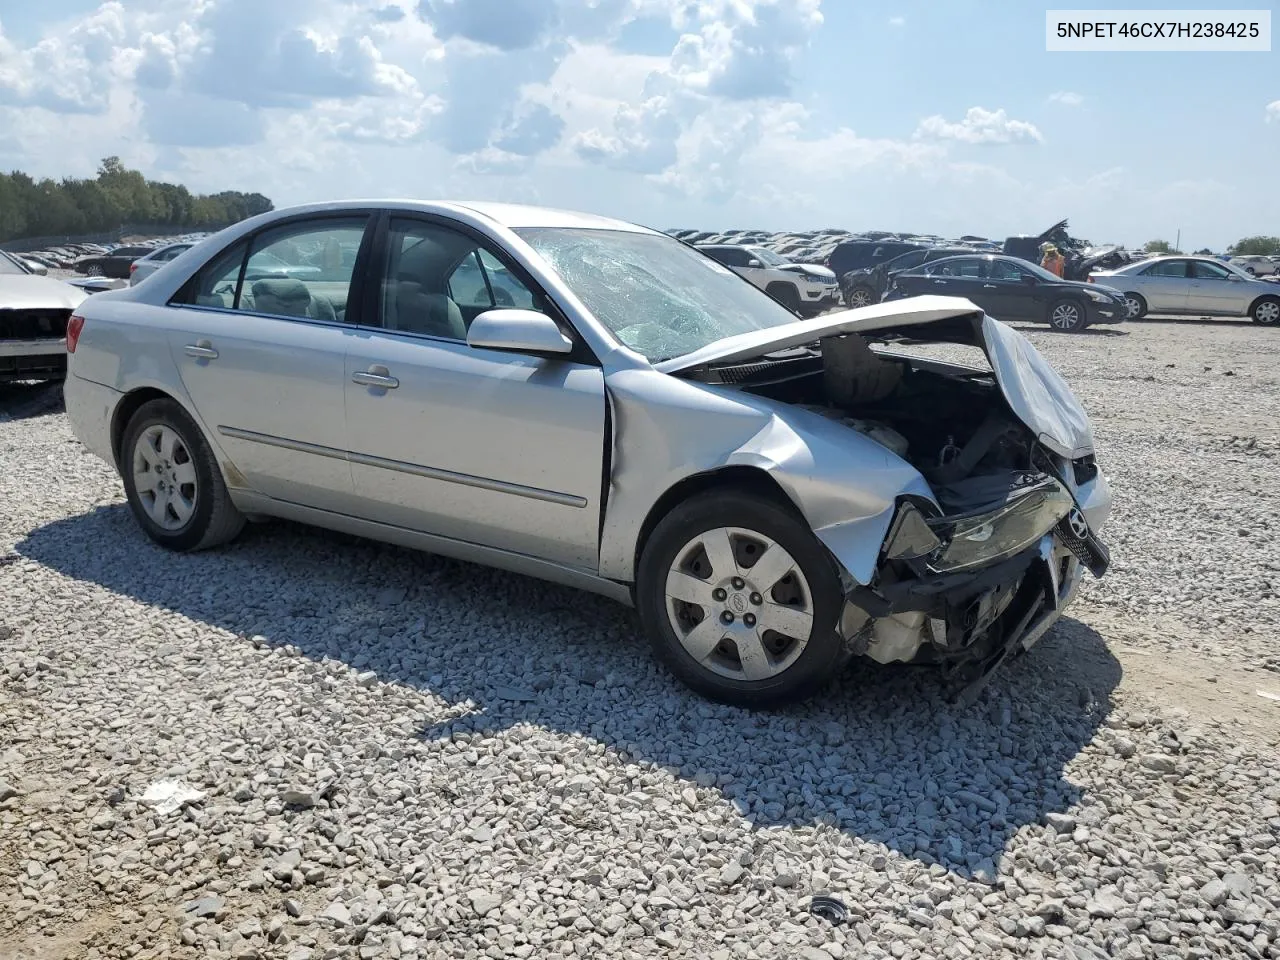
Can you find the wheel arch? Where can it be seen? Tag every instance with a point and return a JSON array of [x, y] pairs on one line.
[[731, 476], [132, 401]]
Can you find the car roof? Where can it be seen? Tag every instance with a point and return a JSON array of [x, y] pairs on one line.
[[511, 215]]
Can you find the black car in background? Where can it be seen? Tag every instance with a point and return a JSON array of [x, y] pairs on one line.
[[1008, 288], [863, 254], [114, 263], [868, 285]]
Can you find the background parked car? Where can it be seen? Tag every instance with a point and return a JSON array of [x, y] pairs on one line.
[[143, 267], [1201, 286], [1008, 288], [114, 263], [803, 287], [861, 287], [33, 322], [863, 254], [1257, 266]]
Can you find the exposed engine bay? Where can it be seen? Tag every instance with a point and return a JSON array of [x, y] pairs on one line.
[[981, 572]]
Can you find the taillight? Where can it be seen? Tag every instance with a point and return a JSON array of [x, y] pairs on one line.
[[133, 267], [1089, 279], [74, 326]]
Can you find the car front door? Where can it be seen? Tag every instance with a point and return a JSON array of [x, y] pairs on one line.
[[500, 449], [1165, 286], [1010, 293], [1216, 292], [263, 359]]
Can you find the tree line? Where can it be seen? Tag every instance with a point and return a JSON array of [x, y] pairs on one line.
[[1249, 246], [115, 197]]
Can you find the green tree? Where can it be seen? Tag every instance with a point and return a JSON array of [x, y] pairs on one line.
[[1256, 247], [115, 196], [1205, 252], [1159, 246]]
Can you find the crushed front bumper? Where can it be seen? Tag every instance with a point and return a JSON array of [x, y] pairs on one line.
[[969, 591]]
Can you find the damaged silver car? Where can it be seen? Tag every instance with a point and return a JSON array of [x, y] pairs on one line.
[[598, 404]]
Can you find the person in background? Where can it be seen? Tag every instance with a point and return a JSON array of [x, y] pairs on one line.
[[1053, 261]]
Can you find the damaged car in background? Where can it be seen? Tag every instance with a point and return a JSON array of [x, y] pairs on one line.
[[34, 310], [776, 496]]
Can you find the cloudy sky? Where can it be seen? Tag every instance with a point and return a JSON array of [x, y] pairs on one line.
[[945, 118]]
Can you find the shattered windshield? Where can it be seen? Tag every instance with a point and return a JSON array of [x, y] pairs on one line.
[[658, 296]]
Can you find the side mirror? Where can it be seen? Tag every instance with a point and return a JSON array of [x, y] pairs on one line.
[[518, 331], [754, 263]]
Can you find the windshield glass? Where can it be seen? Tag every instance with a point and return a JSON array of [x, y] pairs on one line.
[[9, 268], [658, 296], [768, 257]]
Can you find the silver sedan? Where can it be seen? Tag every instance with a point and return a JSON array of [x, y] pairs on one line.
[[597, 404], [1199, 286]]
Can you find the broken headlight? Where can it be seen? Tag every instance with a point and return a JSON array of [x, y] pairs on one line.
[[993, 534]]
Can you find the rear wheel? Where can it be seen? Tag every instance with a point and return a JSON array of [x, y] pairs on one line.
[[740, 600], [1067, 316], [786, 294], [1266, 311], [860, 296], [172, 482], [1135, 307], [93, 270]]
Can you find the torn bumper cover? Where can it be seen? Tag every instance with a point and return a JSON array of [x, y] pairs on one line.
[[969, 589]]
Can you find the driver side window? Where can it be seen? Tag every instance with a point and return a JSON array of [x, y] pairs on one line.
[[437, 280]]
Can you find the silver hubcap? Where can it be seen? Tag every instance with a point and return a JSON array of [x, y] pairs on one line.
[[164, 477], [1132, 308], [1268, 312], [859, 298], [739, 604], [1065, 316]]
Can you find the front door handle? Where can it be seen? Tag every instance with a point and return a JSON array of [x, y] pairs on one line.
[[201, 350], [940, 281], [989, 286], [376, 376]]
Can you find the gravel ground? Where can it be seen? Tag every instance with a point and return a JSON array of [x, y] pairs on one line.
[[396, 755]]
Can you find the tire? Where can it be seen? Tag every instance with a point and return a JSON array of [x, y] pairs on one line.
[[196, 512], [738, 525], [93, 270], [1067, 316], [1266, 311], [1251, 271], [860, 296], [786, 294], [1135, 306]]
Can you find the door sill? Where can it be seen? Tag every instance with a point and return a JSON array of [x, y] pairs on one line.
[[249, 502]]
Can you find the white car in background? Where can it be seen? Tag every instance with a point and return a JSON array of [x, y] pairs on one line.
[[804, 288], [34, 311], [144, 267], [1258, 266], [1195, 286]]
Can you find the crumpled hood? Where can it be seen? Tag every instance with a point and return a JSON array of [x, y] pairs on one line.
[[30, 292], [1035, 392]]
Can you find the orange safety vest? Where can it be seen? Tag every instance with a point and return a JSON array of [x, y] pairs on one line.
[[1055, 263]]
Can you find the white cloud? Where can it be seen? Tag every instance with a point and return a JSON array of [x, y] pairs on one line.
[[979, 126], [1273, 111], [1066, 98], [897, 21]]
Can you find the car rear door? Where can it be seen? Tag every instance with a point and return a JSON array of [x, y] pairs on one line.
[[957, 277], [500, 449], [263, 360], [1165, 286]]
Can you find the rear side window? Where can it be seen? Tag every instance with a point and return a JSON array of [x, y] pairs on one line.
[[968, 267], [1166, 268]]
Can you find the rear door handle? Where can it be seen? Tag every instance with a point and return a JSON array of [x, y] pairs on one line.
[[201, 350], [940, 281], [989, 286], [375, 376]]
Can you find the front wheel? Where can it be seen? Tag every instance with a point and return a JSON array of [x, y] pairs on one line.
[[740, 600], [1266, 311], [1067, 316], [93, 270], [172, 482]]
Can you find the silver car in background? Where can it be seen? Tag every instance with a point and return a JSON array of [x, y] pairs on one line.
[[1199, 286], [144, 267], [598, 404]]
